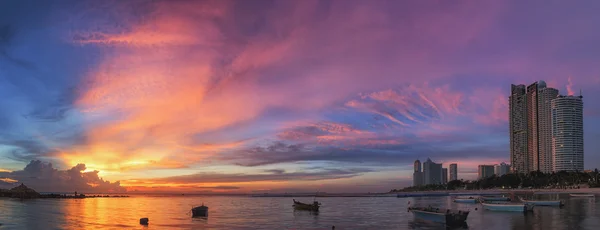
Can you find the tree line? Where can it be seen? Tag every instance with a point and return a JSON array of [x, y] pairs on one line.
[[534, 180]]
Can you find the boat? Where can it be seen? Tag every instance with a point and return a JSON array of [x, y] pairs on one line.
[[495, 198], [542, 202], [508, 207], [581, 195], [200, 211], [446, 216], [465, 200], [314, 207]]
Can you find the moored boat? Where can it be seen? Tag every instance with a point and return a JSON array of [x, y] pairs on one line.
[[308, 207], [446, 216], [581, 195], [508, 207], [471, 200], [542, 202], [495, 198], [200, 211]]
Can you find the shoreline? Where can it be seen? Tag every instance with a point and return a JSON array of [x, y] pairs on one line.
[[503, 191]]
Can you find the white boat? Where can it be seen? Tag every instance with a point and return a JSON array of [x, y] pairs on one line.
[[495, 198], [542, 202], [508, 207], [469, 200], [448, 217], [581, 195]]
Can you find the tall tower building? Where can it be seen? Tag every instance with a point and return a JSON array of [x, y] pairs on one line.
[[453, 172], [518, 129], [485, 171], [432, 172], [532, 127], [417, 166], [567, 133], [544, 127], [444, 175], [417, 174]]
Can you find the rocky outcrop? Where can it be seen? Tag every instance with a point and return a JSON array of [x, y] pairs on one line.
[[23, 192]]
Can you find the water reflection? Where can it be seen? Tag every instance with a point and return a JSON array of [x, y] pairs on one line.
[[278, 213]]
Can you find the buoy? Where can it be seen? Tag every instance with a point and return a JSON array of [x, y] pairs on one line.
[[144, 221]]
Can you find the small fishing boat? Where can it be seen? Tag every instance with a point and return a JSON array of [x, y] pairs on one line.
[[446, 216], [542, 202], [495, 198], [508, 207], [581, 195], [314, 207], [470, 200], [200, 211]]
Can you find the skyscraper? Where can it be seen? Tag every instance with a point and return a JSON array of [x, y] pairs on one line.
[[417, 174], [518, 129], [485, 171], [567, 133], [545, 97], [417, 166], [444, 175], [453, 172], [531, 127], [432, 172]]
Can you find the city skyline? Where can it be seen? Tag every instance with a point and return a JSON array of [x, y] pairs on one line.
[[277, 96]]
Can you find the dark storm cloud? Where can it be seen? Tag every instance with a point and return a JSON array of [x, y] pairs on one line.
[[43, 177]]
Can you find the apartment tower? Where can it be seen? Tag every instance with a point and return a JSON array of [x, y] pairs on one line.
[[518, 129], [567, 133], [453, 172]]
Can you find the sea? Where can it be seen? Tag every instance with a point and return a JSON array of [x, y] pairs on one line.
[[244, 212]]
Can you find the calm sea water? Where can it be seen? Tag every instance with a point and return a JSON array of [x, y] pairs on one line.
[[235, 212]]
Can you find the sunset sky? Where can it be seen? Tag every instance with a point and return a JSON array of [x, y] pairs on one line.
[[276, 96]]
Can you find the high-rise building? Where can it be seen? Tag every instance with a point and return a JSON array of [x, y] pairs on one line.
[[444, 175], [417, 174], [518, 129], [567, 133], [417, 166], [531, 127], [432, 172], [501, 169], [453, 172], [545, 97], [485, 171]]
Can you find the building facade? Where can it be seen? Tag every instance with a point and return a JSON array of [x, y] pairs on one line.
[[530, 120], [501, 169], [485, 171], [532, 127], [544, 127], [417, 174], [444, 175], [432, 172], [567, 133], [518, 129], [453, 172]]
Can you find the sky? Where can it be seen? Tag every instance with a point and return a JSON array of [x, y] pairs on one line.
[[276, 96]]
